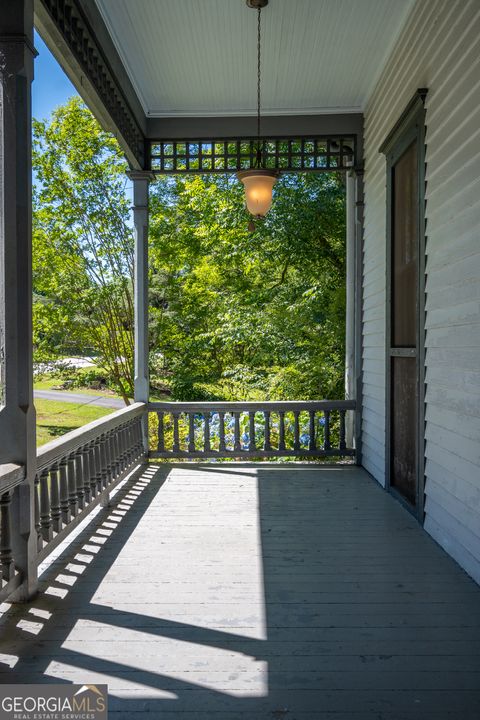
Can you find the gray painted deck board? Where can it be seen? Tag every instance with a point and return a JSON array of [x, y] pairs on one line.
[[236, 591]]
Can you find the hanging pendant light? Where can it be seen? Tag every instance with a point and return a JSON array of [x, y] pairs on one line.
[[259, 181]]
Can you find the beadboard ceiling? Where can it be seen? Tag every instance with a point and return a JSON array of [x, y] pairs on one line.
[[198, 57]]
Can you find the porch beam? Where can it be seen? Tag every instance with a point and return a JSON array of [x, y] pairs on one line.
[[227, 127], [141, 180], [17, 413]]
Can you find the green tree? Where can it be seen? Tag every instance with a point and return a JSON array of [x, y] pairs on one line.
[[233, 314], [249, 313], [82, 244]]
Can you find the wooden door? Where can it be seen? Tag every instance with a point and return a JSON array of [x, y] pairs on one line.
[[403, 331], [404, 149]]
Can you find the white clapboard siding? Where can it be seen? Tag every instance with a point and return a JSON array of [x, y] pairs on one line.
[[439, 48]]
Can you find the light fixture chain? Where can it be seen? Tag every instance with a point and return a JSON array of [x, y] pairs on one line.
[[259, 14]]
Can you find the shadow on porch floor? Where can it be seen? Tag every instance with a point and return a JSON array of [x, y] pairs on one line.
[[241, 591]]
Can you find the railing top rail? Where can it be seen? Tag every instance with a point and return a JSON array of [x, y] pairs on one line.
[[11, 475], [272, 405], [56, 449]]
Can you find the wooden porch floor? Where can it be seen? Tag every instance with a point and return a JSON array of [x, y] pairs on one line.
[[236, 591]]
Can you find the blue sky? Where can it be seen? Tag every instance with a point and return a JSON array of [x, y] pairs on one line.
[[51, 87]]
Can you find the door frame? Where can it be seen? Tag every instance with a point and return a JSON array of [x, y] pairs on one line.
[[409, 128]]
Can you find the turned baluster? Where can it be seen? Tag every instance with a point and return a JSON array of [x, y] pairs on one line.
[[55, 499], [221, 432], [296, 430], [86, 473], [281, 430], [161, 432], [140, 431], [93, 470], [124, 436], [117, 469], [130, 444], [137, 438], [311, 442], [104, 471], [109, 457], [126, 447], [98, 465], [72, 485], [266, 442], [62, 471], [236, 429], [6, 553], [45, 516], [121, 449], [79, 479], [36, 497], [251, 431], [343, 444], [134, 439], [191, 432], [104, 461], [116, 453], [326, 442], [206, 432], [176, 437]]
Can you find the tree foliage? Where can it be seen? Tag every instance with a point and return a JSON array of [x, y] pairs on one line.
[[233, 314], [82, 244], [238, 314]]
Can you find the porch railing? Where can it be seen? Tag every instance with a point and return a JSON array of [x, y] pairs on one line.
[[250, 429], [76, 472], [11, 476]]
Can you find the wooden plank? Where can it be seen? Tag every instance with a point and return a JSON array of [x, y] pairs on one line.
[[238, 590]]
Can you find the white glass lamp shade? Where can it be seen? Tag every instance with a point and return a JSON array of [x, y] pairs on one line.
[[258, 185]]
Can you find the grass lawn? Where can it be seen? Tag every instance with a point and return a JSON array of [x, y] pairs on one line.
[[57, 418]]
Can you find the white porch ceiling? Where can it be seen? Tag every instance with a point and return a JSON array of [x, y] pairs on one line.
[[198, 57]]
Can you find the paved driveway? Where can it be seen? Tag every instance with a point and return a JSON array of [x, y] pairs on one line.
[[79, 398]]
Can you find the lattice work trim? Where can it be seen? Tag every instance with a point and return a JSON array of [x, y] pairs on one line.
[[319, 154]]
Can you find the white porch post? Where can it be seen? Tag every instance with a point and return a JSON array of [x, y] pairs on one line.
[[17, 413], [358, 303], [350, 304], [141, 181], [353, 320]]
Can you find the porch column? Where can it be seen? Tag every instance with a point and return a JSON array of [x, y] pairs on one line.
[[141, 181], [17, 414], [353, 320], [358, 303], [350, 303]]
